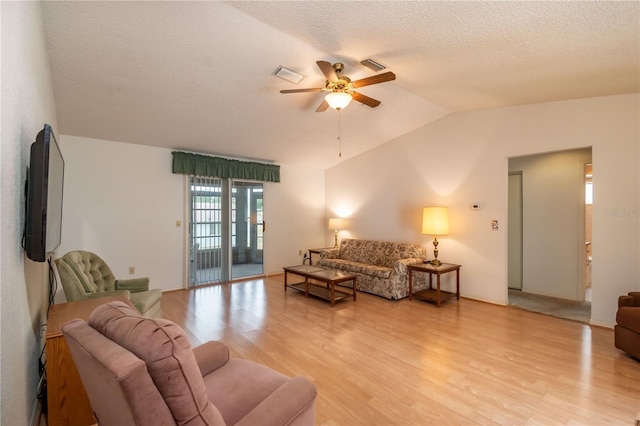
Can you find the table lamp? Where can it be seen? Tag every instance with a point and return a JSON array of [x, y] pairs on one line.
[[435, 221], [336, 224]]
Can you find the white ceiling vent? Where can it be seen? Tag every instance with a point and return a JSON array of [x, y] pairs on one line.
[[289, 75], [372, 64]]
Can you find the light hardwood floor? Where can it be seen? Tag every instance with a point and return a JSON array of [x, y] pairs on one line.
[[381, 362]]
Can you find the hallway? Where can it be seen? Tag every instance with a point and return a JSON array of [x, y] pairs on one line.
[[559, 308]]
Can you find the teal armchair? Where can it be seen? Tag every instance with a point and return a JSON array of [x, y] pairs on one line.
[[84, 275]]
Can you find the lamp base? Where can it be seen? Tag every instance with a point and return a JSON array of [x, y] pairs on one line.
[[435, 261]]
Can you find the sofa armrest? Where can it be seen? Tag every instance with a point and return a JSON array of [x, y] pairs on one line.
[[134, 285], [210, 356], [400, 266], [333, 253], [283, 405]]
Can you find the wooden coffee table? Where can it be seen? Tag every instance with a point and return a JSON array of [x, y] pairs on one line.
[[328, 276]]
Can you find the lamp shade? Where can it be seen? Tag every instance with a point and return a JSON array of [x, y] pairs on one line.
[[435, 220], [338, 100], [336, 223]]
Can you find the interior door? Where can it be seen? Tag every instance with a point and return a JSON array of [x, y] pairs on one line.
[[588, 235], [515, 231]]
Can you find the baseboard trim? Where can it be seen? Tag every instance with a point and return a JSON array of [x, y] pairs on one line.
[[601, 324]]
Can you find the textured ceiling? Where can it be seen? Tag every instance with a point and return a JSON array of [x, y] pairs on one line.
[[198, 76]]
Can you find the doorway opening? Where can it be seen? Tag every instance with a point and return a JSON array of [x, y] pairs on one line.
[[226, 232], [549, 233], [588, 221], [514, 231]]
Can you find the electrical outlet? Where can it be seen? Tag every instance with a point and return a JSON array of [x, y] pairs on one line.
[[132, 270]]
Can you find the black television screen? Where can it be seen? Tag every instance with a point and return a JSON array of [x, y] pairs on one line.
[[43, 221]]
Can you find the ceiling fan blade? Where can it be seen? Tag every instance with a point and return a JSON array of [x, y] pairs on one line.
[[327, 70], [319, 89], [323, 106], [365, 99], [374, 79]]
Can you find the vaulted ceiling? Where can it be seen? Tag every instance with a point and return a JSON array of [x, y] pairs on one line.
[[199, 76]]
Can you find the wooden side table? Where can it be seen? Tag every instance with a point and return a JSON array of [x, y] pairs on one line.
[[434, 295], [67, 401]]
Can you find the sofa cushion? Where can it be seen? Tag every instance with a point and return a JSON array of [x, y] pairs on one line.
[[240, 386], [360, 251], [166, 350], [629, 318], [380, 253], [356, 267]]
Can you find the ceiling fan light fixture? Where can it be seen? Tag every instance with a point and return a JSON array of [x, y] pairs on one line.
[[338, 100]]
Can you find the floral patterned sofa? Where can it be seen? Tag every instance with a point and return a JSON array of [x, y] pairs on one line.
[[381, 266]]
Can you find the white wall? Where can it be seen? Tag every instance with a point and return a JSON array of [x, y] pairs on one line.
[[462, 158], [294, 212], [27, 103], [122, 202], [553, 222]]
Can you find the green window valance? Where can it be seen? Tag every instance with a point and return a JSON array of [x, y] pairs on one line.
[[205, 165]]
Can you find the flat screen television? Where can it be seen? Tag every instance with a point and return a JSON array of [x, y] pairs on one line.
[[45, 182]]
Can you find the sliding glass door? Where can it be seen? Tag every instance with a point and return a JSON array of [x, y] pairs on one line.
[[247, 229], [226, 230]]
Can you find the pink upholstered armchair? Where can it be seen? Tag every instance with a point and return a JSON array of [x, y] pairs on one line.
[[141, 371]]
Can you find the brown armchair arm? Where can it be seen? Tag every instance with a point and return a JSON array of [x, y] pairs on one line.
[[283, 405], [629, 300], [636, 297], [625, 301], [210, 356]]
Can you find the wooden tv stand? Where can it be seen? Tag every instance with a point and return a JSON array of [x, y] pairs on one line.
[[67, 401]]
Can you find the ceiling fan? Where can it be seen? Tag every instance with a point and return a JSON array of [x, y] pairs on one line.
[[341, 88]]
